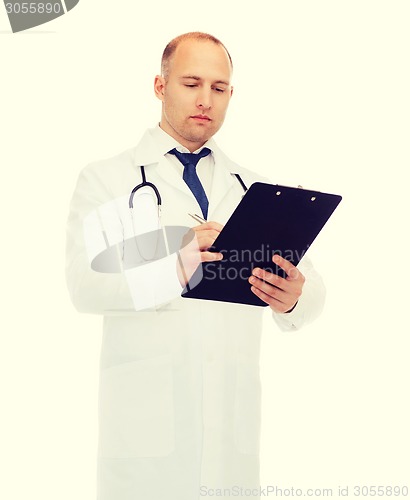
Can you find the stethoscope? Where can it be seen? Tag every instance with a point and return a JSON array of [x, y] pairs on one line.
[[160, 228], [145, 183]]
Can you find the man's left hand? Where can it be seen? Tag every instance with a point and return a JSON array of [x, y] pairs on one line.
[[281, 294]]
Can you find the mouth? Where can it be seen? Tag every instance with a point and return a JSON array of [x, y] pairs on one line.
[[202, 118]]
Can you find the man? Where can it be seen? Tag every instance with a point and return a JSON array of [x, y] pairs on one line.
[[179, 385]]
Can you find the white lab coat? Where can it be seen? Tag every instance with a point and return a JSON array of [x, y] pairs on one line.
[[179, 396]]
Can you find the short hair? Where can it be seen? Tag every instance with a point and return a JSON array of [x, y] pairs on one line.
[[173, 44]]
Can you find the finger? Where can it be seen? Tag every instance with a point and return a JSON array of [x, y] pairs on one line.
[[275, 304], [215, 225], [209, 225], [211, 256], [208, 233], [205, 242], [268, 289], [292, 271], [271, 278]]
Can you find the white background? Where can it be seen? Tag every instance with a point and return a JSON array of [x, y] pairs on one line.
[[321, 99]]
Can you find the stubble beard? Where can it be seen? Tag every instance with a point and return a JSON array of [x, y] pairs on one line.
[[188, 133], [188, 130]]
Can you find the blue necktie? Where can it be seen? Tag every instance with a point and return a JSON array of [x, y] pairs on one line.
[[189, 161]]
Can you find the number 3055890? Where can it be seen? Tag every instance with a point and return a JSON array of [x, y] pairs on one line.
[[33, 8]]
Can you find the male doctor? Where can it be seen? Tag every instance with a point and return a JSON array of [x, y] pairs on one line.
[[179, 400]]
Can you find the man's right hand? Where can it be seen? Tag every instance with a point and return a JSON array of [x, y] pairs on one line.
[[195, 249]]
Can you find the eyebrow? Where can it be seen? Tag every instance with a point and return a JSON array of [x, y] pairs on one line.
[[197, 78]]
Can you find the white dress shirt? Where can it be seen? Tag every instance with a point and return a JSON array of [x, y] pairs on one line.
[[205, 167]]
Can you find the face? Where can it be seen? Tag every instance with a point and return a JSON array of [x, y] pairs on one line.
[[196, 92]]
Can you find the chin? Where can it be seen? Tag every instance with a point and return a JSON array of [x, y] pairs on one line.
[[198, 133], [197, 137]]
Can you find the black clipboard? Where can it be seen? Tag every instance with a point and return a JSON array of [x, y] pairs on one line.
[[269, 219]]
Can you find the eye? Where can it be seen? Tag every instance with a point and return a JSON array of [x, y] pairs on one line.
[[190, 85], [221, 91]]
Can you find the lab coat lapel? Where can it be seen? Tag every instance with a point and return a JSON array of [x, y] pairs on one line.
[[146, 153], [222, 181], [170, 175]]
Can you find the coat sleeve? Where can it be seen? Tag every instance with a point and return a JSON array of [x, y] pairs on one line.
[[310, 303], [98, 292]]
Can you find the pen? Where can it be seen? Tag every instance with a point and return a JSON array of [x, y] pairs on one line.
[[198, 218]]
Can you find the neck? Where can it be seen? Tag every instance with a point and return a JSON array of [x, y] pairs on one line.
[[190, 145]]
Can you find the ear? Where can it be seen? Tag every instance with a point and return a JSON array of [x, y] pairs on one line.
[[159, 87], [231, 91]]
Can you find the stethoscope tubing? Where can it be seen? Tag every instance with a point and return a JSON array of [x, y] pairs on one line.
[[145, 183]]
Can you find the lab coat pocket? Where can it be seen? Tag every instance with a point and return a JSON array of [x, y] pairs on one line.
[[247, 408], [136, 413]]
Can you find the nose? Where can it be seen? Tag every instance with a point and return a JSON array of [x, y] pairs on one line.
[[204, 99]]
